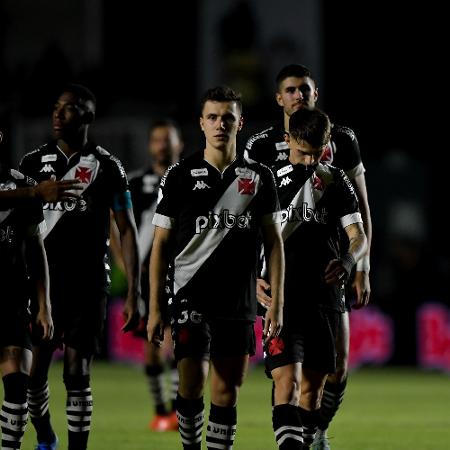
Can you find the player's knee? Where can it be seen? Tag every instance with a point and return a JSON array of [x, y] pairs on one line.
[[76, 382], [310, 400]]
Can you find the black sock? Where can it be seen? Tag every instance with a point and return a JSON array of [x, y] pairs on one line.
[[309, 422], [155, 377], [14, 411], [191, 416], [221, 428], [38, 405], [287, 427], [333, 394]]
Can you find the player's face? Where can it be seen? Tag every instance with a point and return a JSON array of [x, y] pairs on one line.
[[220, 121], [164, 145], [295, 93], [301, 152], [69, 116]]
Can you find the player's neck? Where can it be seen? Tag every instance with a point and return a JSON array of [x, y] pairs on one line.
[[286, 122], [220, 158], [70, 148]]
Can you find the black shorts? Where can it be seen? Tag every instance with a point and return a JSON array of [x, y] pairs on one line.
[[199, 337], [310, 340], [78, 319], [15, 327]]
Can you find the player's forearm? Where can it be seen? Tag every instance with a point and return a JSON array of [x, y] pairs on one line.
[[357, 245], [159, 264], [276, 273], [130, 258]]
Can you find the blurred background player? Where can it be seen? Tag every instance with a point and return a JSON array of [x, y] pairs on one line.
[[76, 243], [296, 89], [23, 272], [165, 145]]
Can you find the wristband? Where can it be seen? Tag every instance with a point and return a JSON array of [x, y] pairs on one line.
[[363, 265], [348, 261]]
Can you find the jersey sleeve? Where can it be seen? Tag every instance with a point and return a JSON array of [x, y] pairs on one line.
[[346, 201], [270, 203], [121, 196], [168, 195], [258, 148], [348, 154]]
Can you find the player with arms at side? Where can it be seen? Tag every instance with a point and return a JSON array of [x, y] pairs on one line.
[[212, 207]]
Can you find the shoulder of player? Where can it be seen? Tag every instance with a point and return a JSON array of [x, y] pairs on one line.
[[12, 178], [40, 152], [342, 132], [260, 138]]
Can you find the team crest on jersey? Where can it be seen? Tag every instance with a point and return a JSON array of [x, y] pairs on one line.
[[318, 183], [83, 174], [49, 158], [327, 155], [246, 186], [284, 170], [48, 168], [285, 181], [200, 185], [203, 172], [276, 346], [282, 156]]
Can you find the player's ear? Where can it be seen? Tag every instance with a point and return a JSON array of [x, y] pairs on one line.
[[241, 123], [286, 137], [201, 124]]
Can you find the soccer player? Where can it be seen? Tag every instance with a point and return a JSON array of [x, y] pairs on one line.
[[212, 207], [165, 145], [22, 261], [296, 89], [47, 191], [316, 200], [76, 245]]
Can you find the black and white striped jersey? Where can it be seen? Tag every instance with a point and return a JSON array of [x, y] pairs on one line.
[[315, 203], [216, 218], [78, 230], [269, 147], [16, 225]]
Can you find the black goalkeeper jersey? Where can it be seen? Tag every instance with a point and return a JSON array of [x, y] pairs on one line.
[[216, 218], [269, 147], [77, 234], [16, 225], [314, 202]]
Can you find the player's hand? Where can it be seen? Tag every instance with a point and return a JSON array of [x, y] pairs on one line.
[[130, 314], [273, 323], [51, 191], [361, 285], [262, 289], [335, 272], [155, 329], [45, 321]]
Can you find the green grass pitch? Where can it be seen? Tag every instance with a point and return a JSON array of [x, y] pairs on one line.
[[383, 409]]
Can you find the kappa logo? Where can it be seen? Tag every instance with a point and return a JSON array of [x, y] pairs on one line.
[[282, 156], [285, 181], [47, 168], [200, 185]]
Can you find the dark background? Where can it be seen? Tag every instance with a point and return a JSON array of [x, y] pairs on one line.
[[381, 70]]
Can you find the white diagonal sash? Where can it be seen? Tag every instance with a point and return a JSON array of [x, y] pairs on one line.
[[4, 215], [90, 162], [202, 245], [146, 231]]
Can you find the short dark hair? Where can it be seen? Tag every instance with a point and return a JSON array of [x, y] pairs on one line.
[[310, 125], [221, 94], [80, 91], [293, 70]]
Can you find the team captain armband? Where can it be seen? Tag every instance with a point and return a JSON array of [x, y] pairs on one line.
[[363, 265], [122, 201]]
